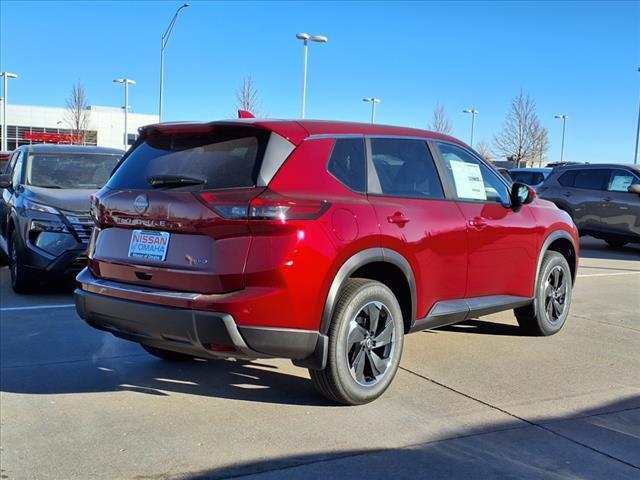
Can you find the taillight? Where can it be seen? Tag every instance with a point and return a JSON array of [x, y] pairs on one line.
[[268, 206]]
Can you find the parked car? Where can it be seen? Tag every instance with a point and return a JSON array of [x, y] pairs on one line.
[[44, 210], [505, 173], [602, 199], [4, 159], [320, 242], [533, 177]]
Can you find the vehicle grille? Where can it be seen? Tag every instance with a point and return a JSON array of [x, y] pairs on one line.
[[82, 225]]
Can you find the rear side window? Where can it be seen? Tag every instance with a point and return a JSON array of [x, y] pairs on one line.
[[227, 157], [347, 163], [529, 178], [567, 178], [405, 168], [591, 179]]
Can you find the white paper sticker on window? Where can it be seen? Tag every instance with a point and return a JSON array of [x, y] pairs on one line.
[[468, 180], [620, 183]]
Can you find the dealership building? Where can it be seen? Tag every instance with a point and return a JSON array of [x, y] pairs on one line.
[[30, 124]]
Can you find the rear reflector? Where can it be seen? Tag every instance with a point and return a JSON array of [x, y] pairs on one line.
[[220, 348]]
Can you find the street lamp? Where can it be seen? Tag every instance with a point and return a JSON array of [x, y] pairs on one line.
[[163, 44], [372, 101], [126, 82], [473, 113], [562, 117], [6, 76], [635, 158], [305, 37]]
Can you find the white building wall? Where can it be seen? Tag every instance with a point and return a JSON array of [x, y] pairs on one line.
[[107, 121]]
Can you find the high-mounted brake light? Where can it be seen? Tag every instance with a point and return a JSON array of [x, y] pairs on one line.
[[270, 206]]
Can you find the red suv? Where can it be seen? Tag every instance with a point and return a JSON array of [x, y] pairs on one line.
[[321, 242]]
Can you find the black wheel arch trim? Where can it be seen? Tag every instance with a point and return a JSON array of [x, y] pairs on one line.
[[552, 237], [361, 259]]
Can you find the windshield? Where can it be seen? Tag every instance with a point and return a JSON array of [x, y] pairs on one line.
[[528, 178], [70, 170]]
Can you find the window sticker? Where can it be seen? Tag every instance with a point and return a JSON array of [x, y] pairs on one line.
[[620, 183], [468, 180]]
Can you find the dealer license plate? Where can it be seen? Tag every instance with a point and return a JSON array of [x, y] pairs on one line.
[[149, 245]]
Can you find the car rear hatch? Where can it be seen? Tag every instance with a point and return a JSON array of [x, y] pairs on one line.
[[168, 217]]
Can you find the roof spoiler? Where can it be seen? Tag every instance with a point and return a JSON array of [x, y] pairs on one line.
[[245, 114]]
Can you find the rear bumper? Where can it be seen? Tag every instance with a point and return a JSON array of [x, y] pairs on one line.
[[199, 333]]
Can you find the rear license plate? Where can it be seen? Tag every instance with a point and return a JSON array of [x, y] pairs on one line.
[[149, 245]]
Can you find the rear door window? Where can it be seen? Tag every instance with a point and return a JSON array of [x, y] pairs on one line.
[[405, 168], [347, 163], [591, 178], [227, 157]]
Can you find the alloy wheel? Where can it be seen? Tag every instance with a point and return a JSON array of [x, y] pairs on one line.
[[555, 294], [370, 343]]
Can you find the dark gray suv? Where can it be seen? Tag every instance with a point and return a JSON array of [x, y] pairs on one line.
[[602, 199], [44, 209]]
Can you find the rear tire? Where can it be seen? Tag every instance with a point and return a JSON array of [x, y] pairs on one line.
[[366, 337], [22, 281], [167, 354], [550, 308], [616, 243]]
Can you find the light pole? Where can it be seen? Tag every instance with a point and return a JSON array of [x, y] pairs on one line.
[[305, 37], [473, 113], [635, 157], [6, 76], [163, 44], [562, 117], [372, 101], [126, 82]]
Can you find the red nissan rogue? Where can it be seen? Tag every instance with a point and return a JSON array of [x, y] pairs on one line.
[[320, 242]]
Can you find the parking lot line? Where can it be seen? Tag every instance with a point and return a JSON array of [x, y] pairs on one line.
[[36, 307], [608, 274]]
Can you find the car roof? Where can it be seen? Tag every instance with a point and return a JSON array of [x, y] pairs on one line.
[[297, 130], [531, 169], [583, 166], [57, 148]]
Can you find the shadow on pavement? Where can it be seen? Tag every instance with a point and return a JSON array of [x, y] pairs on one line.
[[484, 327], [593, 248], [580, 446], [239, 380]]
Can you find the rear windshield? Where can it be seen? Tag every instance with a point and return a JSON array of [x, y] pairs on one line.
[[69, 170], [225, 158]]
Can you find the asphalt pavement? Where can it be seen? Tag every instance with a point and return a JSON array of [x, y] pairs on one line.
[[474, 400]]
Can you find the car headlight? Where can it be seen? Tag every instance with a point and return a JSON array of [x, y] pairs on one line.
[[38, 207], [47, 226]]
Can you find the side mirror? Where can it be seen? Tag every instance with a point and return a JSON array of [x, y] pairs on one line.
[[5, 181], [634, 188], [521, 194]]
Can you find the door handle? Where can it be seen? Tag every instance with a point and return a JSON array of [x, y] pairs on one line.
[[398, 218], [478, 222], [567, 194], [607, 199]]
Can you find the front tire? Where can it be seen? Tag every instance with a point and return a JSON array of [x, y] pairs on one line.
[[550, 308], [167, 354], [21, 280], [366, 337]]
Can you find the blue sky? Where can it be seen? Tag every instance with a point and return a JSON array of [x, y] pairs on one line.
[[578, 58]]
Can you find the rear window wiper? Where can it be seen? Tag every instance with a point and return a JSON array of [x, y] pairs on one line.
[[174, 180]]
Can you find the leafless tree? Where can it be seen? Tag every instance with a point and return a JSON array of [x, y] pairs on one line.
[[484, 149], [543, 146], [77, 116], [439, 122], [247, 96], [520, 138]]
